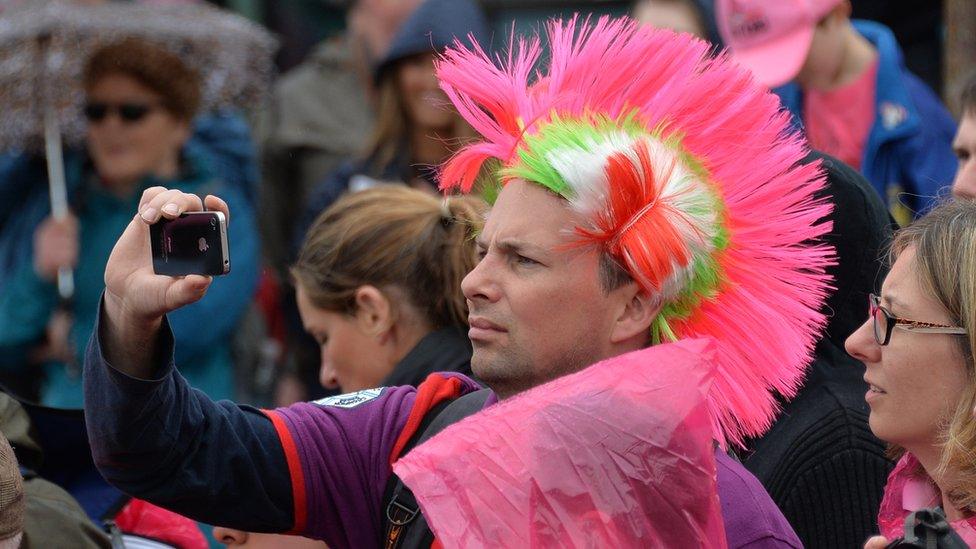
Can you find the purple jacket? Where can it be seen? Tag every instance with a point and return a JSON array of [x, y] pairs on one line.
[[317, 469]]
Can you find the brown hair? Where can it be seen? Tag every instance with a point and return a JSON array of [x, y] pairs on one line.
[[967, 100], [153, 67], [945, 244], [392, 126], [612, 274], [393, 237]]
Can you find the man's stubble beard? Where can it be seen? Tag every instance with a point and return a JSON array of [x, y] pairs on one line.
[[511, 370]]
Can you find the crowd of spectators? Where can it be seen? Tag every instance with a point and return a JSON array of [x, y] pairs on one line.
[[337, 235]]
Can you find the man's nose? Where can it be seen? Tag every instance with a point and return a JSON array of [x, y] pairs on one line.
[[228, 536], [479, 285], [964, 187]]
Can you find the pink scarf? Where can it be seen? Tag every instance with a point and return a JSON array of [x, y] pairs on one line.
[[909, 489]]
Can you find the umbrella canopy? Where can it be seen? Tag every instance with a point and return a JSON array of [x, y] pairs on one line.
[[44, 45], [617, 455]]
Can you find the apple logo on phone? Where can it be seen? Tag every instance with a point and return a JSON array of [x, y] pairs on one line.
[[203, 244]]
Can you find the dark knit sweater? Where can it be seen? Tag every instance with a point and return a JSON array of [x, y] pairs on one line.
[[819, 461]]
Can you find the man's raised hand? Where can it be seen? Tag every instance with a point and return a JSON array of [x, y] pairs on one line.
[[131, 286], [136, 298]]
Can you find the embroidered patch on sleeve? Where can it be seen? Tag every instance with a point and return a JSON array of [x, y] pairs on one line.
[[350, 400]]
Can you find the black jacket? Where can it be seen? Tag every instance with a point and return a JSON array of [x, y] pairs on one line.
[[820, 462], [444, 350]]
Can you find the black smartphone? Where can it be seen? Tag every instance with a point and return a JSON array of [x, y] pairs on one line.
[[193, 243]]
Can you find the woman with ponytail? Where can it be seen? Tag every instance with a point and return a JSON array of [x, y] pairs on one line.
[[379, 286]]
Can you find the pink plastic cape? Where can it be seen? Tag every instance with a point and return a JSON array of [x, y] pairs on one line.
[[617, 455]]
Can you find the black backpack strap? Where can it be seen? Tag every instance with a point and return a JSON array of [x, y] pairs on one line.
[[405, 527], [928, 528]]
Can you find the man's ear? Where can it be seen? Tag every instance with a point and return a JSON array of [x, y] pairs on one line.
[[640, 308], [374, 311]]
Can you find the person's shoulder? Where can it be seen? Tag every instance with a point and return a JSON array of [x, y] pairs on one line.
[[338, 179], [222, 121], [751, 518], [929, 106], [897, 84], [437, 386], [53, 518], [370, 427], [385, 405], [223, 132], [13, 163], [297, 84], [204, 171], [364, 403], [734, 481], [336, 183]]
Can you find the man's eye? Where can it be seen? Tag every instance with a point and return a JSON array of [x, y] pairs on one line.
[[480, 254], [522, 260]]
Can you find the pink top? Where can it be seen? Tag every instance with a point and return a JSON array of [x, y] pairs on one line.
[[838, 121], [909, 489]]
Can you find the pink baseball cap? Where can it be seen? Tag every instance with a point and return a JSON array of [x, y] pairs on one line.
[[770, 37]]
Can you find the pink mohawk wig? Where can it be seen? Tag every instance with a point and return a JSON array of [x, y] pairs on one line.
[[688, 176]]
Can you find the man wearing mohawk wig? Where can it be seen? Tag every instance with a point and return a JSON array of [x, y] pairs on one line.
[[643, 192]]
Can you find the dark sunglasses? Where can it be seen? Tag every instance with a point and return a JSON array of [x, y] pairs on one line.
[[127, 112], [884, 322]]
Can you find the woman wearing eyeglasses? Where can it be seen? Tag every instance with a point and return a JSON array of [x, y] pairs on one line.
[[917, 347], [140, 104]]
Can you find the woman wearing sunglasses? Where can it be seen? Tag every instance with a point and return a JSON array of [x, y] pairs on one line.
[[917, 347], [140, 104]]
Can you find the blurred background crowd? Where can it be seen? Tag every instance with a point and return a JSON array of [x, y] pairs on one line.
[[281, 107], [344, 98]]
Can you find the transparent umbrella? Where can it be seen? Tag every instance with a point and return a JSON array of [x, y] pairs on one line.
[[44, 45]]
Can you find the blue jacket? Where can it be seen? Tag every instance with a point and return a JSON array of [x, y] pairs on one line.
[[222, 137], [225, 139], [908, 156], [27, 302]]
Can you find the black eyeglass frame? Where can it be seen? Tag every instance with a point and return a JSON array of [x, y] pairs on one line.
[[892, 321]]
